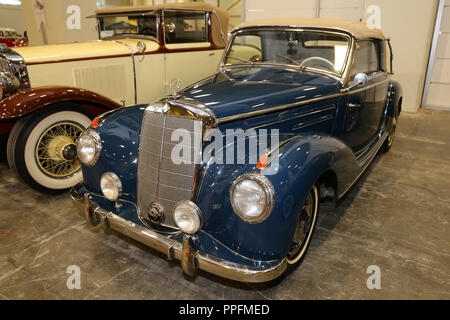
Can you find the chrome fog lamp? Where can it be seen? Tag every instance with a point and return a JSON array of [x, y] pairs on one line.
[[187, 217], [88, 147], [252, 197], [111, 186]]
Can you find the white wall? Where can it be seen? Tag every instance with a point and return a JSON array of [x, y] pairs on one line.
[[56, 17], [12, 17]]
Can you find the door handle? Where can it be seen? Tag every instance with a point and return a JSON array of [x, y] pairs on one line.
[[212, 54], [354, 105]]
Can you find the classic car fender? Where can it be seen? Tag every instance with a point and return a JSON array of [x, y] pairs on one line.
[[27, 101], [395, 99], [303, 161]]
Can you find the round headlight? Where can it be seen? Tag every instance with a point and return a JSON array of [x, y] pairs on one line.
[[111, 186], [88, 147], [252, 197], [187, 217]]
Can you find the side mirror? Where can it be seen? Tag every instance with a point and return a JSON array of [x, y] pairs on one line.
[[360, 79]]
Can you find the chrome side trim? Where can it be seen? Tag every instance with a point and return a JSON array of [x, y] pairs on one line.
[[173, 249], [366, 161], [308, 124], [297, 117], [278, 108]]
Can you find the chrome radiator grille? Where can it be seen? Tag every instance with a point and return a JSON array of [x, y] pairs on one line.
[[160, 179]]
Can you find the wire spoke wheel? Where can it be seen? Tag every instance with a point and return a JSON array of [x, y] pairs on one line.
[[305, 226], [56, 153]]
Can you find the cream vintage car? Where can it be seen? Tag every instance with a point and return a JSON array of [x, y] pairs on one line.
[[51, 93]]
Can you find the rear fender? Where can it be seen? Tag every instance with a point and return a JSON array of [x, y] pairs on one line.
[[395, 97]]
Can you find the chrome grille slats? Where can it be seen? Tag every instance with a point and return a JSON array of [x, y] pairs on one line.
[[159, 178]]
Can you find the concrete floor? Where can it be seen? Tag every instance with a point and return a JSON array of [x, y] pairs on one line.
[[396, 217]]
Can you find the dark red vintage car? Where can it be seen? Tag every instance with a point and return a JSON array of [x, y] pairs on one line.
[[11, 38]]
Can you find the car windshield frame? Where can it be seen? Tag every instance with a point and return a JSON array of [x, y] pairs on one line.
[[100, 23], [336, 75]]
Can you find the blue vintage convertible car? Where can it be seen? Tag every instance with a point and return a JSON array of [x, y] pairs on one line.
[[307, 104]]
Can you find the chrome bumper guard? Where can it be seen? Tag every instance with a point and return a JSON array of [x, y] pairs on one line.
[[191, 260]]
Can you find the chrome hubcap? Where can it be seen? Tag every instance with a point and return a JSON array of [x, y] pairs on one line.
[[303, 227]]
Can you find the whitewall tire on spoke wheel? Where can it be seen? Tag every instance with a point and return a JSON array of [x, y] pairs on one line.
[[42, 147]]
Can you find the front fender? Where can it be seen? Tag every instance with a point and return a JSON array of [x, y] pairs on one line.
[[27, 101], [302, 161]]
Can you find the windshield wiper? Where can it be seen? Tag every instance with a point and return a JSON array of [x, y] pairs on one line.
[[292, 60], [242, 60]]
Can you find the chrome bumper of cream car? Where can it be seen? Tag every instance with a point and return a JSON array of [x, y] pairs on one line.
[[191, 260]]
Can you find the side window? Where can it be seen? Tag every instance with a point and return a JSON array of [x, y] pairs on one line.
[[182, 27], [367, 58]]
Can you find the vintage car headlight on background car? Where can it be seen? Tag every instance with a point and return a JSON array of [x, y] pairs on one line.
[[89, 147], [252, 197], [111, 186], [187, 217]]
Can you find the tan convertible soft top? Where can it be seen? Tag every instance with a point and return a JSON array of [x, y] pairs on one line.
[[219, 20], [358, 29]]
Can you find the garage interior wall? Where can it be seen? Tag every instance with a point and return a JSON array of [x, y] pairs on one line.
[[12, 17], [409, 24], [56, 15], [437, 93]]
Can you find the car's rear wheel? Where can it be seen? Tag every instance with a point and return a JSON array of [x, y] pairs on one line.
[[305, 228], [391, 135], [42, 147]]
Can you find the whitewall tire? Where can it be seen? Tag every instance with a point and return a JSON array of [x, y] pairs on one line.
[[42, 147], [305, 227]]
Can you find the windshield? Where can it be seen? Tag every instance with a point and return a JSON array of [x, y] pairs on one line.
[[142, 25], [309, 49]]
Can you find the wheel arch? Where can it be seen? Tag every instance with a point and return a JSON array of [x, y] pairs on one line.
[[28, 101]]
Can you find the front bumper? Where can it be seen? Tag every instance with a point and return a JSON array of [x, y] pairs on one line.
[[191, 260]]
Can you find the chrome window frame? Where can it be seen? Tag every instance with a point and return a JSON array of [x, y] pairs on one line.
[[341, 76]]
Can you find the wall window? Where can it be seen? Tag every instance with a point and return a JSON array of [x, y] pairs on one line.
[[11, 2]]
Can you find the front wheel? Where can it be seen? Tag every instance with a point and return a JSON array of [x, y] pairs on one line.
[[42, 147], [305, 227]]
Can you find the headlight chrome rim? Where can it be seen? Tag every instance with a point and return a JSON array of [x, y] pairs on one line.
[[195, 209], [98, 146], [117, 184], [269, 191]]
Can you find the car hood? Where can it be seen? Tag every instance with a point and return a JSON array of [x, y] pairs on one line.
[[82, 50], [248, 89]]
